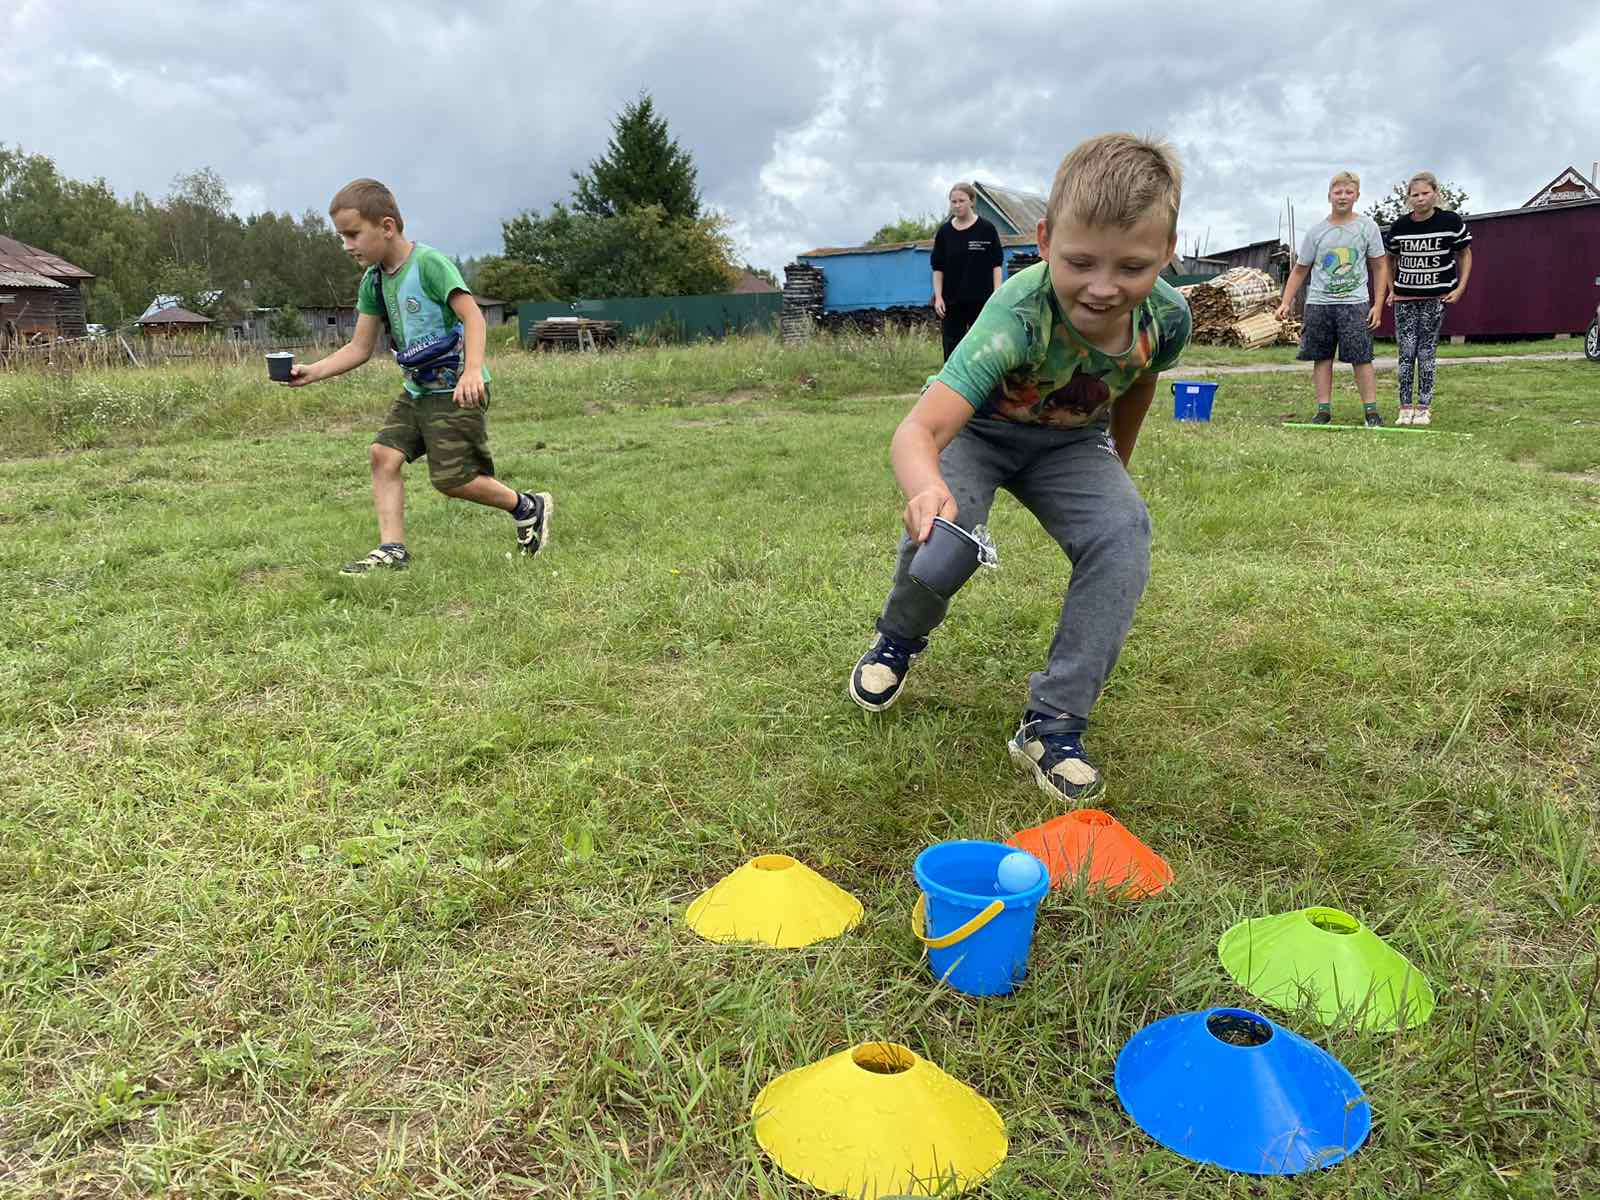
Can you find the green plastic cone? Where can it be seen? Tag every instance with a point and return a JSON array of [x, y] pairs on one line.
[[1326, 960]]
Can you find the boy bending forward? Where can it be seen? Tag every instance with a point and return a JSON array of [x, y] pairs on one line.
[[418, 295], [1045, 397]]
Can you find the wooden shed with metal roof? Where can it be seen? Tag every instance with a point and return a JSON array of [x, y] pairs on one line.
[[40, 294]]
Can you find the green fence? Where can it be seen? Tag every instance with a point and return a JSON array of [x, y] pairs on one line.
[[682, 318]]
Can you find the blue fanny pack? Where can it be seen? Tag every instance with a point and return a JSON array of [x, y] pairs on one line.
[[432, 362]]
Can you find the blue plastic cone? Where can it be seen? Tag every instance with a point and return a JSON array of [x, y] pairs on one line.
[[1229, 1087]]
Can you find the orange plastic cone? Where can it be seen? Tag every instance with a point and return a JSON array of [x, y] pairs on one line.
[[1095, 845]]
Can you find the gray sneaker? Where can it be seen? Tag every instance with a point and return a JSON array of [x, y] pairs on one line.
[[381, 559]]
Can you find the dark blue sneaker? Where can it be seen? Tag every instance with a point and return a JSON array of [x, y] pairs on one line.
[[1051, 748], [881, 672]]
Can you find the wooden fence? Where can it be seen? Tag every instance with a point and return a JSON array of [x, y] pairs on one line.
[[120, 350]]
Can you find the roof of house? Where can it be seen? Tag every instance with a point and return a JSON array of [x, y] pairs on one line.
[[1584, 189], [19, 256], [1023, 209], [173, 315], [750, 282], [924, 244], [27, 279], [163, 300], [1525, 211]]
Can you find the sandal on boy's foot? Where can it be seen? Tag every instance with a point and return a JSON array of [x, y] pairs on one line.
[[1372, 419], [1323, 417], [1405, 415], [533, 531], [1422, 416], [1051, 749], [881, 671], [384, 558]]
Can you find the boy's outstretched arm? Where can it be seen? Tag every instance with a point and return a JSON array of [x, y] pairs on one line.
[[914, 454], [469, 390], [1127, 415], [346, 358]]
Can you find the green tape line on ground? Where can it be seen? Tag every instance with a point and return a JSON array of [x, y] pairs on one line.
[[1376, 428]]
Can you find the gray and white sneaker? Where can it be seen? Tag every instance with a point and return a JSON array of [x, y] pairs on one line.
[[384, 558]]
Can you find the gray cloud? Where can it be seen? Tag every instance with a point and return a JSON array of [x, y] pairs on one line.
[[810, 126]]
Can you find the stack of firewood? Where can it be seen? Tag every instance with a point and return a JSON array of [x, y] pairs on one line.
[[803, 290], [1235, 309], [1020, 261], [574, 333], [876, 320]]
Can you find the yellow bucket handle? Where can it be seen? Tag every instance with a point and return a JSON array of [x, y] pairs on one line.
[[919, 923]]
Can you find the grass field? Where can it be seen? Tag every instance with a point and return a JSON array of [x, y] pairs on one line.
[[318, 887]]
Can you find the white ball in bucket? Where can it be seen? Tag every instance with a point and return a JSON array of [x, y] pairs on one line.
[[1017, 872]]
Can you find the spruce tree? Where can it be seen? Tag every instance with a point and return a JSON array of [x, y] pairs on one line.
[[643, 164]]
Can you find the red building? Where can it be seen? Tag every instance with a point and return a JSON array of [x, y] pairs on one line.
[[1535, 270]]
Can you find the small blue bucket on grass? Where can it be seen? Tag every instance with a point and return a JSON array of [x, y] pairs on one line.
[[977, 934], [1192, 401]]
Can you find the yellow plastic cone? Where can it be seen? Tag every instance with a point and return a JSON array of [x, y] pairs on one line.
[[773, 899], [879, 1121]]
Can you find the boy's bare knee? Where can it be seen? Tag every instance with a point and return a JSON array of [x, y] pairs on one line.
[[453, 490], [385, 460]]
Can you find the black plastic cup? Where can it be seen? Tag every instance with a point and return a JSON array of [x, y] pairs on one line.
[[946, 560], [280, 366]]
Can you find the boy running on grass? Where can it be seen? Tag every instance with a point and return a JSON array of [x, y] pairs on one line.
[[1339, 314], [1044, 398], [438, 336]]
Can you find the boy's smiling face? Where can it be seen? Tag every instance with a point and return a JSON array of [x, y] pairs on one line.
[[364, 241], [1101, 273]]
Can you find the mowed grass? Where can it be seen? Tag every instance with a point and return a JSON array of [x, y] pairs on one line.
[[317, 887]]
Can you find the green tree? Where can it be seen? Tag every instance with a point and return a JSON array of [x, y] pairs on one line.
[[906, 229], [287, 325], [639, 252], [642, 165], [189, 285], [1395, 205], [510, 279]]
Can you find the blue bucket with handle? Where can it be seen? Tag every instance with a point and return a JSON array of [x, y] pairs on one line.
[[1192, 401], [977, 933]]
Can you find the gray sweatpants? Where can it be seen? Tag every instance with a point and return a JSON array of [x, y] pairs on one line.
[[1074, 483]]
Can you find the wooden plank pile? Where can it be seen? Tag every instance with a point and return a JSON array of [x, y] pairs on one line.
[[803, 291], [1020, 261], [1235, 309], [575, 333]]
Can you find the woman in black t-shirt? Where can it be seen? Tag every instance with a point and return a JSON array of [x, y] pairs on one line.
[[967, 259]]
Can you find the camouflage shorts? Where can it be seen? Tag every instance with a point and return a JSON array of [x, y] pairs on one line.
[[456, 440]]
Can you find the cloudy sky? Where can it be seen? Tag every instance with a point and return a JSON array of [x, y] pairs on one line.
[[811, 124]]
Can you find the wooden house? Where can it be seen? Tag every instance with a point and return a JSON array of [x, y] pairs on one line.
[[41, 294]]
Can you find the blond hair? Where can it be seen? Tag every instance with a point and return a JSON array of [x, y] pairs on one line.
[[972, 192], [1349, 177], [1116, 179], [1427, 177], [371, 199]]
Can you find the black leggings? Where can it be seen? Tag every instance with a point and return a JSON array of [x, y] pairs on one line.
[[1416, 335], [958, 318]]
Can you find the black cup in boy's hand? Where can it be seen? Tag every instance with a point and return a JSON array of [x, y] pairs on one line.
[[280, 366]]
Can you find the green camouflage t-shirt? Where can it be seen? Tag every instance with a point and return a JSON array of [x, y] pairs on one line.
[[1023, 361], [418, 299]]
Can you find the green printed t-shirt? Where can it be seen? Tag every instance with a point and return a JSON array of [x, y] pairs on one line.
[[1023, 361], [418, 299]]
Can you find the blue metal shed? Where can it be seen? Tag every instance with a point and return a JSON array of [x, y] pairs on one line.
[[859, 277]]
